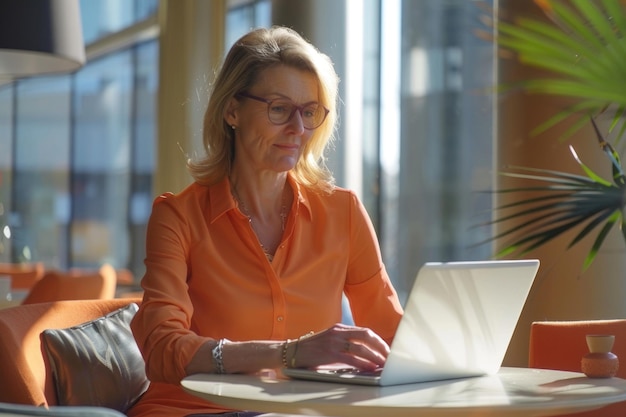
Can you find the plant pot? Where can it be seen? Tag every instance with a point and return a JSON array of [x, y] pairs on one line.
[[600, 362]]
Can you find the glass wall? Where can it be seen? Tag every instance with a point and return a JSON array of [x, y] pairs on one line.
[[40, 212], [143, 151], [77, 152], [242, 16], [6, 163], [436, 134], [101, 161], [105, 17]]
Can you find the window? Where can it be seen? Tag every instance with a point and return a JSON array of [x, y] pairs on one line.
[[103, 18], [242, 16], [435, 135], [7, 94], [40, 213], [78, 150], [101, 161]]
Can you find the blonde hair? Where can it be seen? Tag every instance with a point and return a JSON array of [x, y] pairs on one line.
[[250, 55]]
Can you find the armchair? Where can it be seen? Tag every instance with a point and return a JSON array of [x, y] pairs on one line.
[[25, 375], [23, 276], [561, 345], [74, 285]]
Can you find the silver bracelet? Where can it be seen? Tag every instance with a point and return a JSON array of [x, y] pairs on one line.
[[217, 356]]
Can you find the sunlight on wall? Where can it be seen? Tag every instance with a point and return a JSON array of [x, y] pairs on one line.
[[390, 87], [354, 97]]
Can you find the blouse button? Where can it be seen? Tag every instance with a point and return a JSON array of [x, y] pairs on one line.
[[279, 318]]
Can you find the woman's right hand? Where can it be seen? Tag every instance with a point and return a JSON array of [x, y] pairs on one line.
[[353, 346]]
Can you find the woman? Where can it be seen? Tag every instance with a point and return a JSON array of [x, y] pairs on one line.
[[246, 267]]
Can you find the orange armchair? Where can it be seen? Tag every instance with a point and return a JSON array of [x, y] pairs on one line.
[[74, 285], [561, 345], [23, 375], [23, 276]]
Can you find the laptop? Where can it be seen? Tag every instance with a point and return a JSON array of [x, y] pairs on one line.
[[458, 321]]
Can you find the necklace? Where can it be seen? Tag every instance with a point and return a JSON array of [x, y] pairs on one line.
[[244, 209]]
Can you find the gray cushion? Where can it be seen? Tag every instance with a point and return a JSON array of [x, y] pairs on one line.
[[97, 363]]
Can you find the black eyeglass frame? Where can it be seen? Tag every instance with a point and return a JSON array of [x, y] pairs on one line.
[[300, 109]]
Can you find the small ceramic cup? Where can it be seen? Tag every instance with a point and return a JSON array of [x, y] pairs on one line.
[[600, 343], [600, 362]]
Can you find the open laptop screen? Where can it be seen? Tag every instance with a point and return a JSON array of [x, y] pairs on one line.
[[458, 321]]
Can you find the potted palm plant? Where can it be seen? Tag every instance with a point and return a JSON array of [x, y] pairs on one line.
[[581, 51]]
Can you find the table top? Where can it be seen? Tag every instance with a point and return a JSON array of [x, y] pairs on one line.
[[512, 392]]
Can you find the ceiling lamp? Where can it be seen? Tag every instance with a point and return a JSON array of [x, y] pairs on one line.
[[40, 37]]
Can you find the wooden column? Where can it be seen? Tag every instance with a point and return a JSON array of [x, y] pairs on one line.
[[191, 48]]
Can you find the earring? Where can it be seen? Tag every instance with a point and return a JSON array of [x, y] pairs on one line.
[[233, 127]]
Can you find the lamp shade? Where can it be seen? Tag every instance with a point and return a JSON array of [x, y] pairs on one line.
[[40, 37]]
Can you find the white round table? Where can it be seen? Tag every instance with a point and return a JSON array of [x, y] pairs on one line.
[[513, 392]]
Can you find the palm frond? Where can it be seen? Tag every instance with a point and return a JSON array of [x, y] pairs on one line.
[[563, 201], [584, 46], [608, 225], [581, 49]]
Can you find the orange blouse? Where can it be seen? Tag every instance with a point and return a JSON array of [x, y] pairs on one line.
[[207, 277]]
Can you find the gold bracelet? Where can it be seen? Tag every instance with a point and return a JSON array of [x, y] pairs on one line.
[[284, 354]]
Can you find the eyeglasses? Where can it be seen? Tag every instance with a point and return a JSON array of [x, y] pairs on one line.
[[280, 111]]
